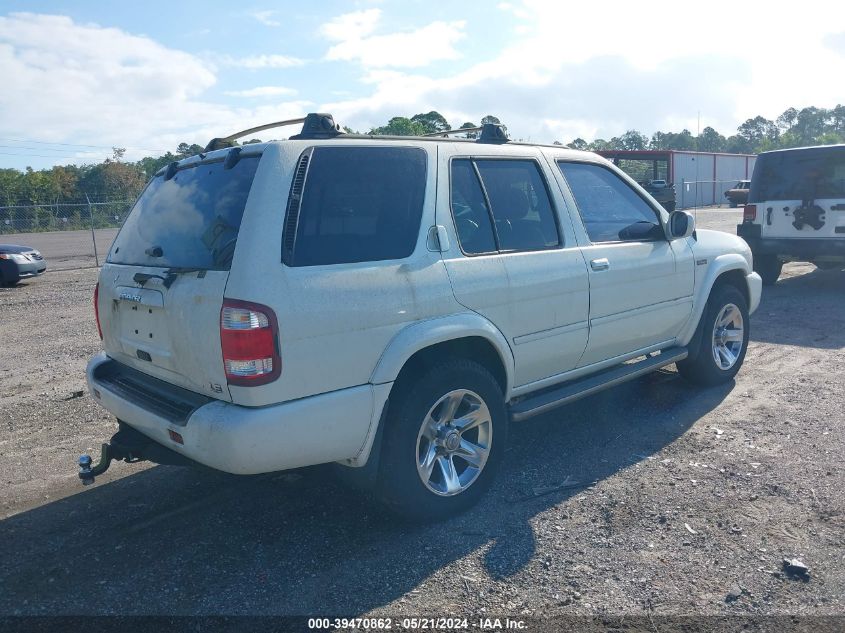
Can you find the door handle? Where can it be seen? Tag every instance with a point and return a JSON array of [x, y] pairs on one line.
[[600, 264]]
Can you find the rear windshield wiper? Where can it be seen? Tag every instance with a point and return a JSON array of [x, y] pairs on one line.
[[169, 277]]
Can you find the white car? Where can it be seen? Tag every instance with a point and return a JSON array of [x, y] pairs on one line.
[[796, 209], [394, 304]]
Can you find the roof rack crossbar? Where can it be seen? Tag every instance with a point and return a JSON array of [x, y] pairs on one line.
[[458, 131], [315, 125]]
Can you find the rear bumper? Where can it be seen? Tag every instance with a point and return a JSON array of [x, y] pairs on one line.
[[247, 440], [800, 248]]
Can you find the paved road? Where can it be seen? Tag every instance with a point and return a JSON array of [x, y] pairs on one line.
[[66, 250]]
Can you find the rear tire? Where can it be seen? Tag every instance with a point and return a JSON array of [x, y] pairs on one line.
[[724, 339], [444, 439], [768, 266]]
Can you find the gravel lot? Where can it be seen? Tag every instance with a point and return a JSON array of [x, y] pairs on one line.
[[688, 499]]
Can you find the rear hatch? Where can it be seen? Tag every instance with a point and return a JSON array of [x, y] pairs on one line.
[[162, 287], [800, 193]]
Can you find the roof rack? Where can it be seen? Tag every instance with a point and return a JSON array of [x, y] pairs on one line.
[[462, 130], [490, 133], [315, 125]]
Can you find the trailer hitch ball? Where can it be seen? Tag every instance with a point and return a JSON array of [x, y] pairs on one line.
[[85, 473]]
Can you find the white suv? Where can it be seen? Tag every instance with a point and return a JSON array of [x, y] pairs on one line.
[[796, 209], [394, 304]]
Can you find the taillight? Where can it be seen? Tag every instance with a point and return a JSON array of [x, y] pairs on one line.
[[249, 338], [97, 309], [749, 213]]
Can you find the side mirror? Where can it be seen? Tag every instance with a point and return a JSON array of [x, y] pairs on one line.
[[681, 225]]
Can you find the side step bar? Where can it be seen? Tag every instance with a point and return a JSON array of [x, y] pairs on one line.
[[588, 385]]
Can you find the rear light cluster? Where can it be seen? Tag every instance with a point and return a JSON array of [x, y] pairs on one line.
[[249, 338], [749, 213], [97, 309]]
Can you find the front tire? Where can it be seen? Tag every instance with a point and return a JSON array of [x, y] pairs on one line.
[[723, 341], [445, 436], [768, 267]]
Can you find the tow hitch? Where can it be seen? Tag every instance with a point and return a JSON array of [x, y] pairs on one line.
[[126, 445], [130, 446]]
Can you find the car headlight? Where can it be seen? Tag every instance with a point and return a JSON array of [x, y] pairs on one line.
[[21, 259]]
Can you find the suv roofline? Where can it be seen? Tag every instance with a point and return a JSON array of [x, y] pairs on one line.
[[322, 126], [805, 148]]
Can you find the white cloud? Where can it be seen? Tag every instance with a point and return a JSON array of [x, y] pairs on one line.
[[355, 25], [564, 76], [261, 91], [353, 33], [266, 17], [256, 62], [82, 83]]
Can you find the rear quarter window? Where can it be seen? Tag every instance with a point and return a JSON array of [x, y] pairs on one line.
[[191, 220], [357, 204]]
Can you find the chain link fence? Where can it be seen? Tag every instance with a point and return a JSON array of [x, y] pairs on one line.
[[68, 235]]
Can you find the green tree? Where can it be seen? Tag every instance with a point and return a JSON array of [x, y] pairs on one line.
[[183, 150], [757, 130], [399, 126], [787, 119], [598, 145], [630, 140], [578, 143], [431, 122], [710, 141]]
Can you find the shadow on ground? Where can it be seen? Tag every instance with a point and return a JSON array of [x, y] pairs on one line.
[[805, 310], [177, 541]]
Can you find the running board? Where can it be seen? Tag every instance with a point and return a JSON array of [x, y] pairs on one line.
[[588, 385]]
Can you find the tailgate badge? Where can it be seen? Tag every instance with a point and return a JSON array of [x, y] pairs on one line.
[[215, 388], [128, 296]]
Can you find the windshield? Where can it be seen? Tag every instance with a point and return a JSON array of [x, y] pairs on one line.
[[189, 221], [799, 175]]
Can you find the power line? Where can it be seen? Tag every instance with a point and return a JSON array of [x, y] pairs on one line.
[[20, 140], [50, 149], [45, 155]]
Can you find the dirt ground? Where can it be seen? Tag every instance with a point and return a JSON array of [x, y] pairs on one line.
[[688, 499]]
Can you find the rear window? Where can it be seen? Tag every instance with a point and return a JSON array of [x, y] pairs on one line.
[[358, 204], [189, 221], [799, 175]]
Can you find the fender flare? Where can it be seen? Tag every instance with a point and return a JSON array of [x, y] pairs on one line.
[[422, 334], [720, 265]]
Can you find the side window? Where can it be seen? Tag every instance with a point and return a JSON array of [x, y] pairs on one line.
[[610, 209], [521, 206], [514, 194], [357, 204], [469, 208]]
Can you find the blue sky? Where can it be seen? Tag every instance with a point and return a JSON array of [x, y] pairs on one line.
[[146, 76]]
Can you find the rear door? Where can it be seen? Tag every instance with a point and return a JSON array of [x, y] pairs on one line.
[[800, 193], [512, 259], [162, 287]]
